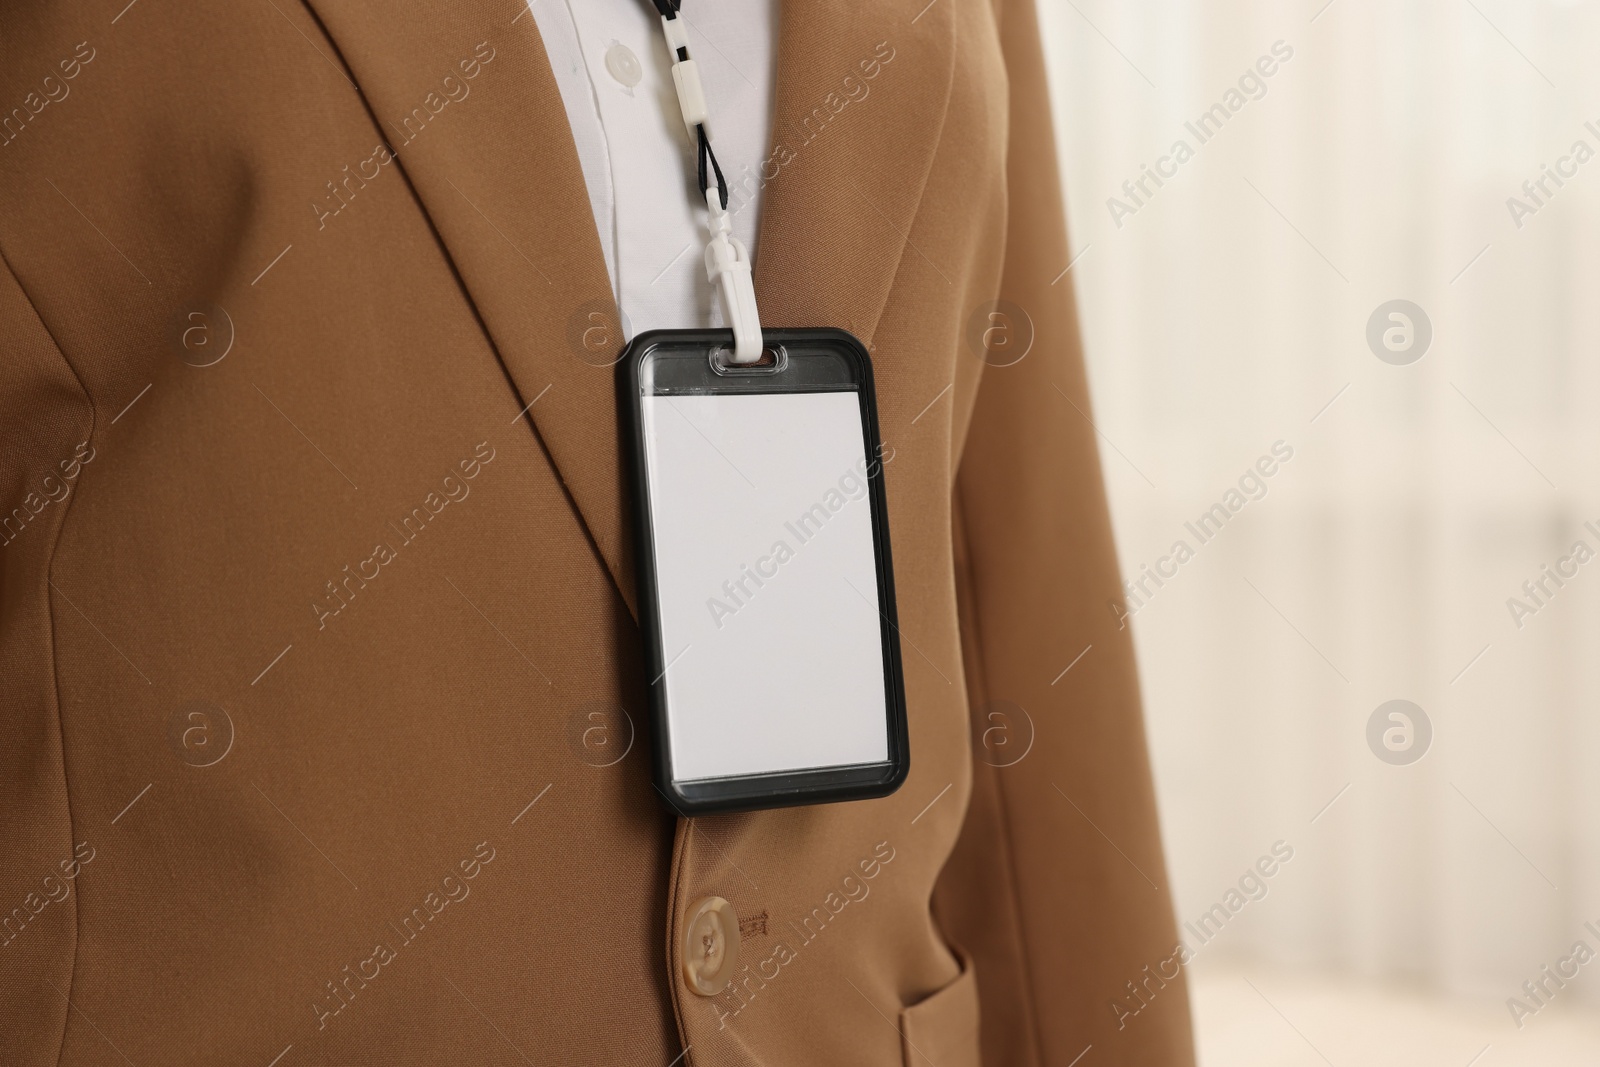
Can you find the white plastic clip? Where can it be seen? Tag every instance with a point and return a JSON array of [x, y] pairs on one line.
[[677, 35], [685, 76], [728, 268]]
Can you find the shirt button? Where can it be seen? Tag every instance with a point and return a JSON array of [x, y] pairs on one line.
[[710, 946], [623, 64]]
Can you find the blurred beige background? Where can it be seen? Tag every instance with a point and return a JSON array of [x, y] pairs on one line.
[[1228, 311]]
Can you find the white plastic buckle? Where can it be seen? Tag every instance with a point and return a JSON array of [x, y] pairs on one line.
[[677, 35], [685, 76], [728, 268]]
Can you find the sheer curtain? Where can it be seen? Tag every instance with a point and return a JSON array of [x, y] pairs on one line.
[[1226, 309]]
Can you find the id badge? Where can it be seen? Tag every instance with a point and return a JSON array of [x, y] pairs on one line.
[[766, 592]]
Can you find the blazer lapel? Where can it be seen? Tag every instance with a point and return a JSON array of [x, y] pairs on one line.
[[498, 175], [863, 86], [862, 89]]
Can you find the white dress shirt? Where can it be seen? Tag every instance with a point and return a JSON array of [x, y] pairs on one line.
[[610, 60]]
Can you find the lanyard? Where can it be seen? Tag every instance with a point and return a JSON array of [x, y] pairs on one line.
[[727, 261]]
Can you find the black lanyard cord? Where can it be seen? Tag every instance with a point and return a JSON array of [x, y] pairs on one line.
[[705, 154], [669, 10], [727, 260]]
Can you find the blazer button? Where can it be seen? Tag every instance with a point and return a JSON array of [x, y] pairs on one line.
[[710, 946]]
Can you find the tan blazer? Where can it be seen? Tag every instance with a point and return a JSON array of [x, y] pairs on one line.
[[322, 731]]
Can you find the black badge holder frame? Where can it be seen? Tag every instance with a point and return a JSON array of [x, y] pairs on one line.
[[745, 360]]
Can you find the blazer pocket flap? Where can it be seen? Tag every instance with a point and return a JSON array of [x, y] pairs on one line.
[[942, 1030]]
